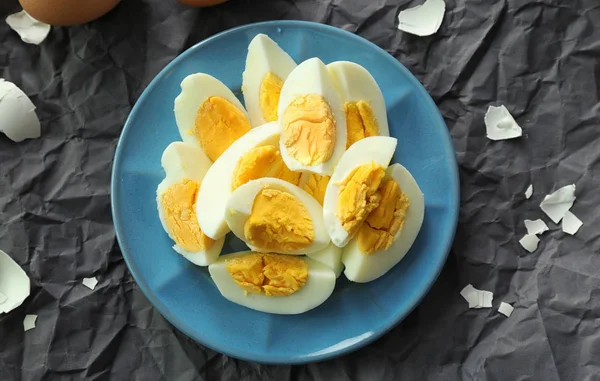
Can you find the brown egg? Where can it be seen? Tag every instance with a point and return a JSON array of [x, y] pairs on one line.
[[201, 3], [67, 12]]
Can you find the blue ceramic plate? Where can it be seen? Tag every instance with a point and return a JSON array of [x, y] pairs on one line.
[[356, 314]]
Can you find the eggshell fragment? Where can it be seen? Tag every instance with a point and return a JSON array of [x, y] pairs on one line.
[[536, 226], [477, 298], [530, 242], [500, 124], [570, 223], [424, 19], [14, 284], [90, 282], [555, 205], [529, 191], [19, 121], [29, 322], [31, 30], [505, 309]]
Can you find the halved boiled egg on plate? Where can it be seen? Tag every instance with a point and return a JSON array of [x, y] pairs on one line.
[[209, 115], [274, 216], [351, 193], [312, 119], [185, 167], [390, 229], [273, 283], [254, 155], [363, 101], [267, 67]]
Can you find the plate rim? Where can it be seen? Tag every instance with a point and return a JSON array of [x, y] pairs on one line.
[[243, 355]]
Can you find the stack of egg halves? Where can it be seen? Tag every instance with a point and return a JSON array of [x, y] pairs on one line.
[[301, 175]]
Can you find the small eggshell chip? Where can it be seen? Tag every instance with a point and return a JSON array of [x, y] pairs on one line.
[[477, 298], [505, 309], [219, 178], [536, 226], [19, 121], [376, 149], [287, 221], [90, 282], [311, 119], [29, 29], [317, 289], [267, 68], [555, 205], [530, 242], [424, 19], [570, 223], [362, 267], [185, 166], [14, 284], [29, 322], [500, 124], [331, 256], [529, 192]]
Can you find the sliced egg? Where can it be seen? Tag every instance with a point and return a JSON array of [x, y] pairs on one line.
[[273, 283], [271, 215], [267, 67], [389, 231], [331, 256], [311, 119], [185, 167], [363, 101], [209, 115], [252, 156], [352, 190]]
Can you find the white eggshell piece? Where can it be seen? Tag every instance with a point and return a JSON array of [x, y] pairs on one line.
[[424, 19], [555, 205], [29, 29], [14, 284], [500, 124], [19, 121]]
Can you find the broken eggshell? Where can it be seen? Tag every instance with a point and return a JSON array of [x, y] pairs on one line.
[[19, 121], [424, 19], [14, 284], [500, 124], [29, 29]]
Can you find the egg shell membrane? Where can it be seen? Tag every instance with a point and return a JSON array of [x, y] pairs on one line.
[[185, 161], [195, 89], [296, 85], [331, 256], [378, 149], [365, 268], [355, 83], [264, 56], [318, 288], [218, 179], [241, 201]]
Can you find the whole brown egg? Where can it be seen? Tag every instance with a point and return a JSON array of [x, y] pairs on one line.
[[67, 12]]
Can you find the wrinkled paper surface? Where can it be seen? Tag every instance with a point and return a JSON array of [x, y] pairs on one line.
[[537, 58]]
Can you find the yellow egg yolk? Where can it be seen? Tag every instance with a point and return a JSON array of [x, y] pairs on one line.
[[360, 121], [264, 161], [179, 210], [218, 124], [271, 274], [358, 196], [384, 222], [316, 185], [308, 129], [270, 89], [279, 222]]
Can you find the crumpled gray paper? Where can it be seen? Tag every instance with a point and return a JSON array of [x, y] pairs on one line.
[[539, 58]]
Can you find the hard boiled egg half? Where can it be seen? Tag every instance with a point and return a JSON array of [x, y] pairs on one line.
[[273, 283], [390, 229], [267, 67], [209, 115], [363, 101], [274, 216], [312, 119], [251, 157], [330, 256], [352, 191], [185, 166]]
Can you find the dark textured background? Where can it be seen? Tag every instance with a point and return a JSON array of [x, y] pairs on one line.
[[539, 58]]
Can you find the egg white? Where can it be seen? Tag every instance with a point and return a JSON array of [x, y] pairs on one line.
[[212, 198], [239, 208], [312, 77], [185, 161], [365, 268], [317, 289], [378, 149], [264, 56], [195, 89], [355, 83], [330, 256]]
